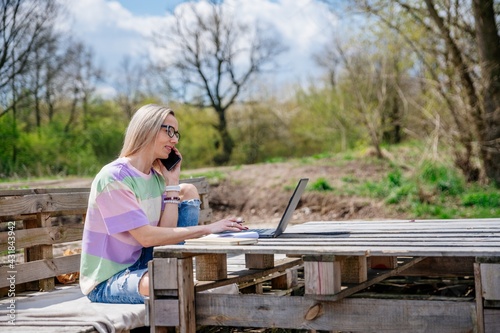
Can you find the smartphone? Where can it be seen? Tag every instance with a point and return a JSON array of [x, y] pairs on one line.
[[171, 161]]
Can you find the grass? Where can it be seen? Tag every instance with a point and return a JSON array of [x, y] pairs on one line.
[[321, 185], [434, 190], [412, 185], [212, 176]]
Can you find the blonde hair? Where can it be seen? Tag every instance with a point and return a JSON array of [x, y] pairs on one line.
[[143, 128]]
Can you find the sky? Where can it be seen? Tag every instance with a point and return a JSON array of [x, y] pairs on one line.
[[114, 29]]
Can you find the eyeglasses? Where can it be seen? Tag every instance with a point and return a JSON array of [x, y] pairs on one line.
[[171, 131]]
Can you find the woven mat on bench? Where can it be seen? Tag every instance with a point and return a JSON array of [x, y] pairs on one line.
[[66, 306]]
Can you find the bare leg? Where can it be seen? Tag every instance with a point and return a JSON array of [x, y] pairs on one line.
[[144, 285], [188, 192]]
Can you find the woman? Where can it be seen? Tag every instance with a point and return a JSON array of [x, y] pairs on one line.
[[135, 204]]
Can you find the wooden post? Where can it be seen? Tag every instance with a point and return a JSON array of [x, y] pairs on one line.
[[377, 262], [211, 267], [187, 315], [479, 299], [40, 252], [163, 313], [490, 281], [259, 261], [170, 277], [287, 280], [322, 275], [353, 269]]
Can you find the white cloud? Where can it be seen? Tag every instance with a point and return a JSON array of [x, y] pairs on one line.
[[114, 31]]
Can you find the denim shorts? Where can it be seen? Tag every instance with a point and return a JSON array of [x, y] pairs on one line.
[[123, 287]]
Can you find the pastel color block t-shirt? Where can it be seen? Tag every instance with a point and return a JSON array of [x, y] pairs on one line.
[[121, 199]]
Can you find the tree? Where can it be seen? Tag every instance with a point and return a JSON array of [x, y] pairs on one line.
[[488, 43], [370, 82], [455, 45], [129, 85], [214, 57], [83, 76], [24, 27]]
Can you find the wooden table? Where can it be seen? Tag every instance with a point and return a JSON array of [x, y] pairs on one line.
[[335, 270]]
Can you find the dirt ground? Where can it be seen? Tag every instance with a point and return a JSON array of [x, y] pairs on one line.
[[259, 193]]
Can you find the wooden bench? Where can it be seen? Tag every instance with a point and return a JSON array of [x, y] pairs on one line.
[[35, 225]]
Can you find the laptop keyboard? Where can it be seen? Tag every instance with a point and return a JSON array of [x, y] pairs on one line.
[[260, 231]]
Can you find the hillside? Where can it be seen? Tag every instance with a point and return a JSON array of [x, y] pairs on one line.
[[260, 192]]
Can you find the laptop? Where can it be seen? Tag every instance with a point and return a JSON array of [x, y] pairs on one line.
[[287, 216]]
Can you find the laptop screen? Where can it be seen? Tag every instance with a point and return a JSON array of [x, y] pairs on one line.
[[290, 208]]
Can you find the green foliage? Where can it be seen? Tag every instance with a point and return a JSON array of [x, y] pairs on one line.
[[212, 176], [199, 138], [260, 134], [8, 150], [40, 153], [394, 178], [106, 128], [444, 178], [321, 184], [432, 190], [488, 199]]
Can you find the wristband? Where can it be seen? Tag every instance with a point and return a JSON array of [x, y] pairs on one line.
[[172, 202], [172, 198], [173, 188]]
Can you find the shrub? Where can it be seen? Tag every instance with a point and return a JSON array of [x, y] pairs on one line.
[[444, 179], [482, 199], [321, 184]]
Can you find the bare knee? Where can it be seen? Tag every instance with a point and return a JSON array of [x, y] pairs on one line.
[[188, 192], [144, 285]]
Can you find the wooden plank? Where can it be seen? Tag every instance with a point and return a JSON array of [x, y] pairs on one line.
[[30, 201], [479, 299], [165, 273], [41, 252], [491, 321], [470, 222], [20, 192], [52, 329], [201, 184], [44, 235], [263, 247], [47, 203], [150, 300], [166, 312], [41, 269], [205, 215], [22, 217], [490, 281], [187, 322], [351, 315], [415, 243], [443, 266]]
